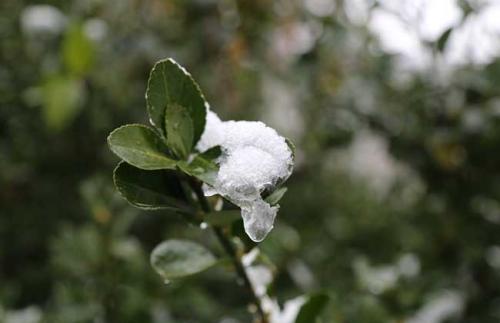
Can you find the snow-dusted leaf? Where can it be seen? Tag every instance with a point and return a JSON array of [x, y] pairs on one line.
[[140, 146], [179, 258], [147, 189], [170, 84]]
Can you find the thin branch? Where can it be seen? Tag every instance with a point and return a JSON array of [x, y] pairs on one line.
[[231, 251]]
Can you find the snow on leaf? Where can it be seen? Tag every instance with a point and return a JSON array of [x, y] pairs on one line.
[[254, 158]]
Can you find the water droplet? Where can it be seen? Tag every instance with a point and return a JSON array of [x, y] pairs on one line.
[[203, 225], [166, 281]]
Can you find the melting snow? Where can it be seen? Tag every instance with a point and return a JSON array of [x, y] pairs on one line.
[[254, 158]]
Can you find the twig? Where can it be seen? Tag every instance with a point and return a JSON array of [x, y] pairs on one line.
[[231, 251]]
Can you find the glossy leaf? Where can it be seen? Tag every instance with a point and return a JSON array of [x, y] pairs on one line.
[[276, 196], [146, 189], [141, 147], [170, 84], [203, 166], [212, 153], [312, 308], [179, 258], [180, 130]]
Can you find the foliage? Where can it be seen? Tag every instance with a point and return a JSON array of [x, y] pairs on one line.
[[173, 97], [430, 224]]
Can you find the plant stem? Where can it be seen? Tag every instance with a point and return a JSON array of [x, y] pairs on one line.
[[232, 253]]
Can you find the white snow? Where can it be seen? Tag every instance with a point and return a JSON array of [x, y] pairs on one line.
[[42, 19], [444, 305], [369, 158], [212, 136], [261, 276], [243, 176], [290, 311], [404, 26], [96, 29], [320, 8], [30, 314], [290, 40], [254, 158], [249, 258], [378, 279]]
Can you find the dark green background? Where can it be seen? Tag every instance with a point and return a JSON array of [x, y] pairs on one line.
[[70, 246]]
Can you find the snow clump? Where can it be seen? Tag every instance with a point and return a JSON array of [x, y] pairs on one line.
[[254, 159]]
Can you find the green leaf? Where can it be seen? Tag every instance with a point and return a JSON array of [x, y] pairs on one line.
[[312, 308], [291, 146], [203, 166], [140, 146], [77, 50], [179, 258], [443, 39], [212, 153], [276, 196], [62, 99], [170, 84], [222, 218], [146, 189], [180, 130]]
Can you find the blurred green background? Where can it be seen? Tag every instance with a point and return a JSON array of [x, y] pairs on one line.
[[394, 206]]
